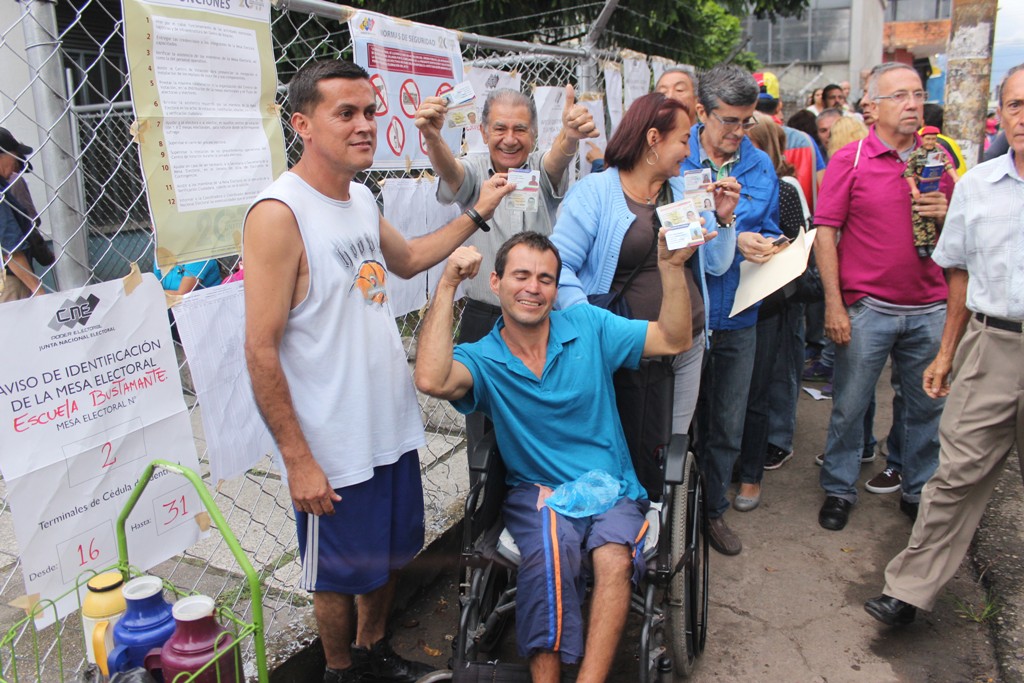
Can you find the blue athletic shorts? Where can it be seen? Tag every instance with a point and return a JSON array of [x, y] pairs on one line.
[[376, 528], [555, 551]]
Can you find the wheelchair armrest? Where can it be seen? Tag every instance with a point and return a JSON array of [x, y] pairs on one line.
[[480, 457], [675, 458]]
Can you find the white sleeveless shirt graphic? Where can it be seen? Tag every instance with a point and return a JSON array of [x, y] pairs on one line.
[[341, 352]]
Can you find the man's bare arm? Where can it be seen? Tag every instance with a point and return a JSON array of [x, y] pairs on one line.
[[437, 374], [273, 256], [577, 124], [430, 121], [672, 332], [22, 269], [407, 258], [837, 321], [936, 375]]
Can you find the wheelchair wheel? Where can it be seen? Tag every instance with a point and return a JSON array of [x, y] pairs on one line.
[[686, 597], [485, 613]]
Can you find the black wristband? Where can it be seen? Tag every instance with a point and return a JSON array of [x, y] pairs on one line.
[[478, 219]]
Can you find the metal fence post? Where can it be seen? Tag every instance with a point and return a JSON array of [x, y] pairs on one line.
[[55, 161]]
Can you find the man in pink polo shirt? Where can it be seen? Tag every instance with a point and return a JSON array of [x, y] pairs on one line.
[[881, 298]]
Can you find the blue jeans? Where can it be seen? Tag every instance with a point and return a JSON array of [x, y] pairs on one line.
[[913, 341], [785, 387], [721, 410]]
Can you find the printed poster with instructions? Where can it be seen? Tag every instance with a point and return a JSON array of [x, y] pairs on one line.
[[203, 84], [406, 62], [94, 396]]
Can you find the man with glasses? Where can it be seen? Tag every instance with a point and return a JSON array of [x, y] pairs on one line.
[[881, 297], [727, 96], [981, 351]]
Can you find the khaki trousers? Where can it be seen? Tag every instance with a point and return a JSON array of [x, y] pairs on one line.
[[983, 418]]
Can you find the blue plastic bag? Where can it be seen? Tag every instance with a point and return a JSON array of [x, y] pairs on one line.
[[594, 492]]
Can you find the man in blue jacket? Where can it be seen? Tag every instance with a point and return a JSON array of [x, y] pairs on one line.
[[727, 96]]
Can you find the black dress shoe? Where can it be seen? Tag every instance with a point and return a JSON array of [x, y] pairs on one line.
[[909, 509], [891, 611], [834, 513]]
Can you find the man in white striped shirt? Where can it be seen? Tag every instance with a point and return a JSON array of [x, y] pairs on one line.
[[982, 351]]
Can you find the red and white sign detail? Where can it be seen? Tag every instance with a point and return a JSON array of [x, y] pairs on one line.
[[380, 93], [409, 98], [396, 136], [408, 62], [443, 88]]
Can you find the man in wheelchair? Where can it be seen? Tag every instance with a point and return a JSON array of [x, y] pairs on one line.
[[544, 378]]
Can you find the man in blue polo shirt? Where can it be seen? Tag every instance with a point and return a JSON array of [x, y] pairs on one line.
[[545, 379]]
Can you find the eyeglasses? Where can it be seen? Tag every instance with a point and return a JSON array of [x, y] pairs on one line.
[[733, 122], [903, 96]]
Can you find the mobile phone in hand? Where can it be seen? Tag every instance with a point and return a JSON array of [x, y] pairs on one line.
[[779, 241]]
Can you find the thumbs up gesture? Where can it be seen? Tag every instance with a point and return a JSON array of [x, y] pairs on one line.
[[577, 123]]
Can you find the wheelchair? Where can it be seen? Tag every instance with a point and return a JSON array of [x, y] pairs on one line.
[[671, 598]]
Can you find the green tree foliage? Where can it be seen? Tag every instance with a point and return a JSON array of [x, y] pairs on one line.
[[699, 32]]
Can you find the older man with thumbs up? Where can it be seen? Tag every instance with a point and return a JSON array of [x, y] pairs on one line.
[[509, 128]]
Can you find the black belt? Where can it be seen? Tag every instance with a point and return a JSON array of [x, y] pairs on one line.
[[483, 307], [999, 323]]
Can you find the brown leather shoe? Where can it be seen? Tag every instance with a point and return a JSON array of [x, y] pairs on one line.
[[722, 538]]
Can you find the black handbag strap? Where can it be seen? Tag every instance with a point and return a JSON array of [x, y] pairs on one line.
[[664, 197]]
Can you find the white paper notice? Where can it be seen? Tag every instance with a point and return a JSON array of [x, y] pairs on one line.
[[595, 105], [208, 128], [613, 91], [94, 397], [211, 323], [213, 125], [636, 79], [406, 62], [758, 280], [550, 101], [486, 81]]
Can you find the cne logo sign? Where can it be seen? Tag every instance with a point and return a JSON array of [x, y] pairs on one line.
[[73, 313]]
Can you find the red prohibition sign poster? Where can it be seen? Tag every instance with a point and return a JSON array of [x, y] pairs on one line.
[[396, 136], [380, 93], [443, 88], [409, 98]]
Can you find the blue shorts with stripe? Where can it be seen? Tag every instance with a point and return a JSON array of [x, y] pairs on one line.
[[376, 528], [556, 551]]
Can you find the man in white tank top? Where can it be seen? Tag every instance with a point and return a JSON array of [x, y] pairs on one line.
[[327, 366]]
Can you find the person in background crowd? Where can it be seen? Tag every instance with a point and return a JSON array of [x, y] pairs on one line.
[[881, 298], [832, 96], [608, 223], [727, 99], [677, 83], [800, 150], [509, 128], [815, 105], [806, 122], [979, 368], [18, 281], [824, 123], [778, 353]]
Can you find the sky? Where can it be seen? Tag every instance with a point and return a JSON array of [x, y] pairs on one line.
[[1008, 49]]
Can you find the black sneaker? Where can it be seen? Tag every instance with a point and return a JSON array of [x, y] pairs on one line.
[[775, 457], [386, 665], [353, 674]]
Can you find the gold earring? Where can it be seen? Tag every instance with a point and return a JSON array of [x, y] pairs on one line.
[[647, 158]]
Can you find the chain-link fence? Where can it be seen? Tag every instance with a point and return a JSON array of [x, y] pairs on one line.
[[64, 91]]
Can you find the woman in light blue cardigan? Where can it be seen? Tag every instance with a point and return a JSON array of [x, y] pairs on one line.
[[608, 220]]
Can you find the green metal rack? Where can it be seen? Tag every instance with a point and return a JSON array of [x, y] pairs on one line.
[[45, 652]]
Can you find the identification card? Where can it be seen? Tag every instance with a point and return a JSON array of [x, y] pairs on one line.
[[683, 222], [684, 236], [696, 180], [461, 101], [526, 196]]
